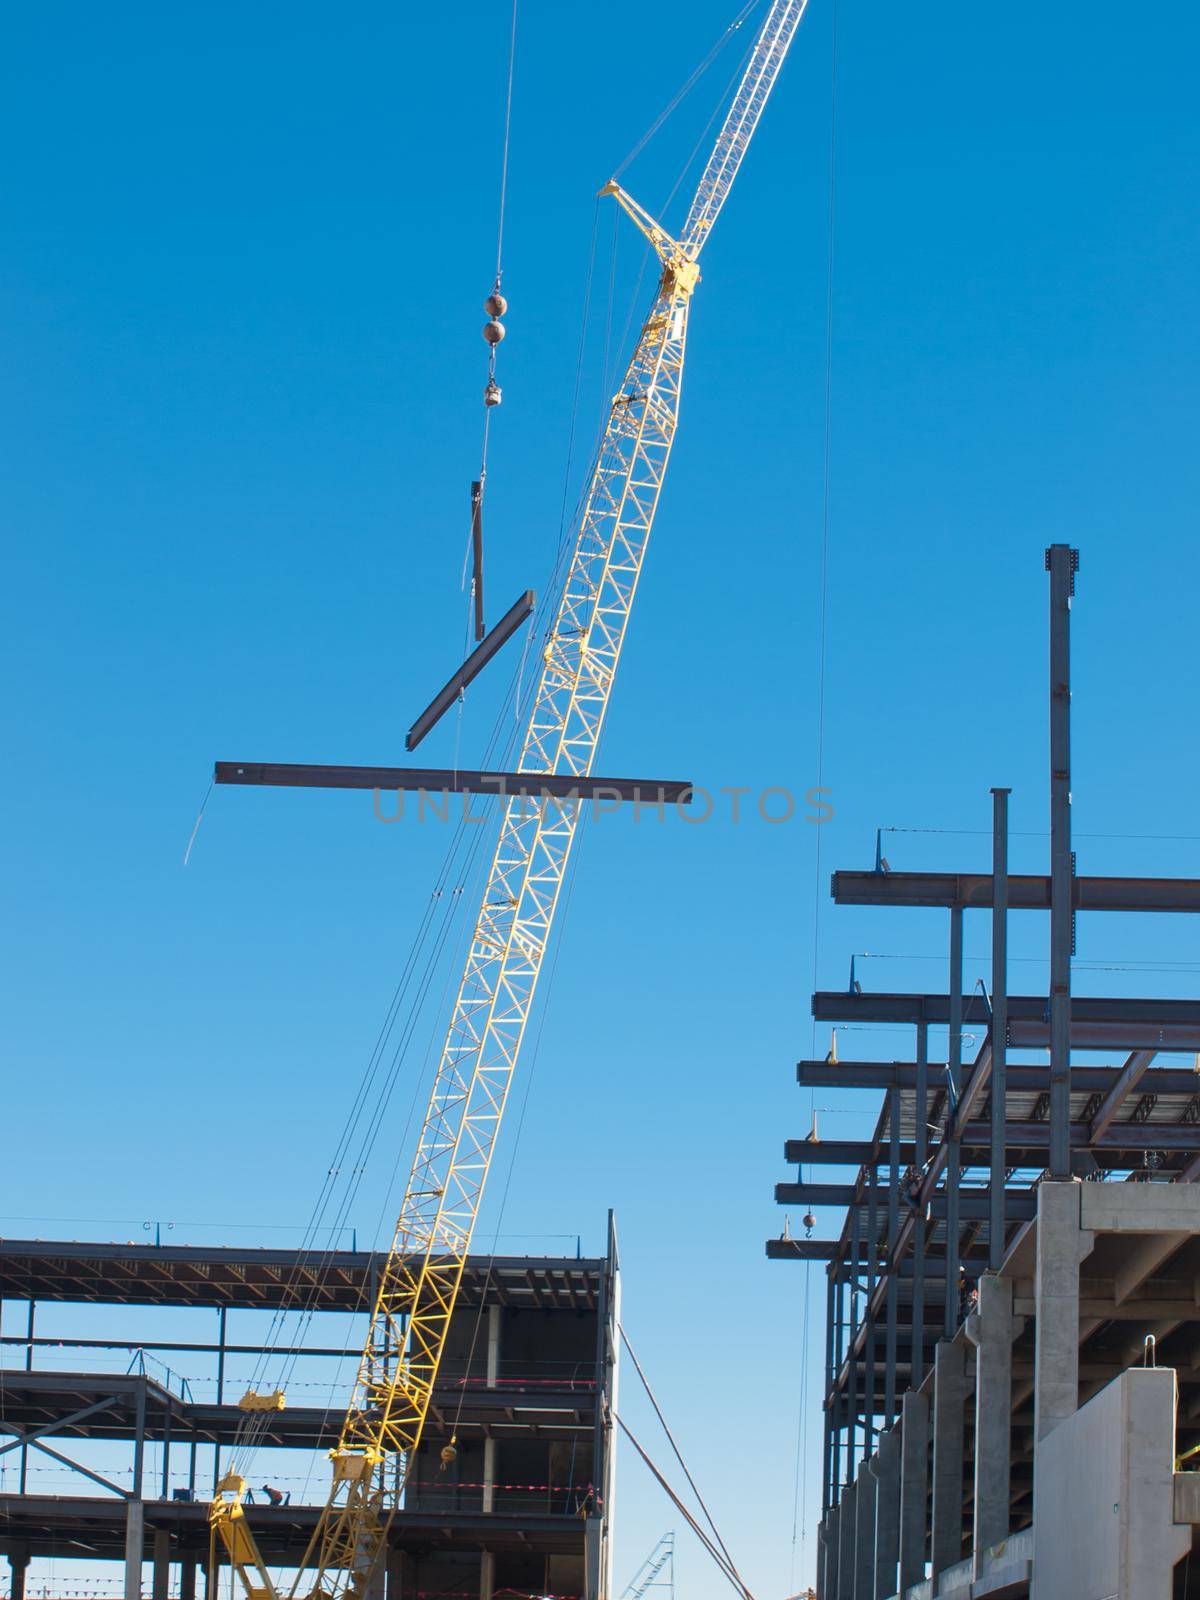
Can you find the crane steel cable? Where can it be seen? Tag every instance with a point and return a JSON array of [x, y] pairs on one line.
[[675, 1448], [823, 612], [496, 307], [800, 1481], [508, 100], [635, 297], [688, 85], [729, 1572]]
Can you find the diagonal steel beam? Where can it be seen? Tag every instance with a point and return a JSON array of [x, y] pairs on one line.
[[56, 1425], [1130, 1075], [57, 1455]]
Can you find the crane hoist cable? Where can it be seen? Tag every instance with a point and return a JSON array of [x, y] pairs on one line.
[[496, 307]]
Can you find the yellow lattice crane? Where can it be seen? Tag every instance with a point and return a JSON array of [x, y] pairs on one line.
[[420, 1281]]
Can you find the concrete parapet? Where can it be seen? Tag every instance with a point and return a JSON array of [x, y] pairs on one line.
[[1061, 1246], [949, 1402], [914, 1487], [1104, 1499]]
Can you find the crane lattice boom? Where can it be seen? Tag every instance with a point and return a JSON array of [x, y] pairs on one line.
[[420, 1282]]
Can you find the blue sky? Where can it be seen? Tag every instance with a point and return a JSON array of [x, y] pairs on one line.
[[243, 259]]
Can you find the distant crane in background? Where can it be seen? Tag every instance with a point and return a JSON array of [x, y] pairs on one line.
[[657, 1571], [419, 1284]]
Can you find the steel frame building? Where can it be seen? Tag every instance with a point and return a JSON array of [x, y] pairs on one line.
[[524, 1507], [950, 1227]]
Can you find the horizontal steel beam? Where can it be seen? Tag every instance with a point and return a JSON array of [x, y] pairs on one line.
[[1021, 1204], [1025, 892], [803, 1250], [844, 1152], [816, 1194], [1097, 1022], [1120, 1136], [976, 1136], [447, 780], [866, 1074], [1022, 1077], [830, 1250]]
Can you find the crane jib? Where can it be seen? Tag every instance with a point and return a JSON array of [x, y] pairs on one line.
[[419, 1283]]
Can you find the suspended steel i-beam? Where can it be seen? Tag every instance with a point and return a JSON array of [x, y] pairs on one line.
[[471, 668], [448, 780]]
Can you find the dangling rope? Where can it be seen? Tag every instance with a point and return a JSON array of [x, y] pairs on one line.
[[187, 854]]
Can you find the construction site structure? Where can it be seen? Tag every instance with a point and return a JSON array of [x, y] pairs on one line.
[[1012, 1392], [124, 1368]]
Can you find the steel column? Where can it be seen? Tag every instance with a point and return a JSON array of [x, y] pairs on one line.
[[166, 1453], [914, 1487], [893, 1230], [135, 1542], [220, 1390], [835, 1416], [827, 1461], [28, 1368], [161, 1572], [1062, 563], [954, 1081], [949, 1400], [869, 1343], [852, 1340], [494, 1315], [999, 1155], [18, 1566], [139, 1439], [921, 1141]]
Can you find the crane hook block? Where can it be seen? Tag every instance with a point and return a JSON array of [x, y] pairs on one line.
[[253, 1401]]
